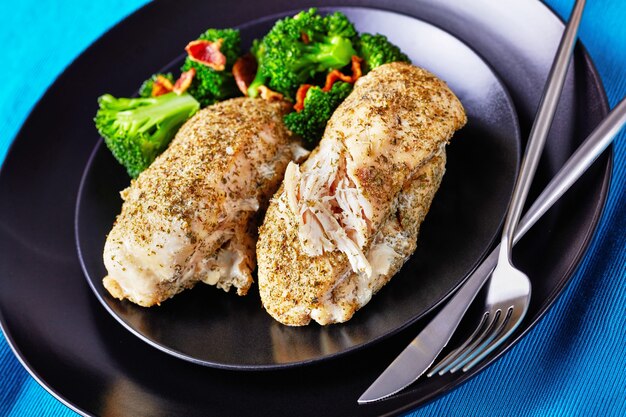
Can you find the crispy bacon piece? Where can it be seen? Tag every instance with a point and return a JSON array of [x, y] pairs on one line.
[[331, 78], [184, 81], [300, 96], [269, 95], [357, 72], [161, 86], [244, 71], [207, 53], [335, 75], [305, 38]]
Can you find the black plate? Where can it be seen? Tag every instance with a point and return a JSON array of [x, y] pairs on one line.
[[209, 327], [84, 357]]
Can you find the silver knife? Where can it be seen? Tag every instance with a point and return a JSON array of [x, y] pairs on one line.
[[420, 354]]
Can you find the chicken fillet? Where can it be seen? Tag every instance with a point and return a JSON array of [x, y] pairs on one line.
[[191, 216], [345, 221]]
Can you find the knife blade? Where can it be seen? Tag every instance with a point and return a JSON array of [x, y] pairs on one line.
[[420, 354]]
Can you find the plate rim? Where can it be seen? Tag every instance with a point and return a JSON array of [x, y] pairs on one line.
[[517, 148], [608, 155]]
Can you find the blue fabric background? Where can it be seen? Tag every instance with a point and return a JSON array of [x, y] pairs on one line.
[[572, 363]]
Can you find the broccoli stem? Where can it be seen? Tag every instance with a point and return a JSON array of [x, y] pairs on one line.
[[170, 117], [172, 109], [253, 88]]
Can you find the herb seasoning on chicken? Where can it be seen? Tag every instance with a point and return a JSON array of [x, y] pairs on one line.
[[345, 221], [191, 216]]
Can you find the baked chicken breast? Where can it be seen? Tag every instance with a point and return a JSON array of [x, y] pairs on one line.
[[192, 215], [345, 221]]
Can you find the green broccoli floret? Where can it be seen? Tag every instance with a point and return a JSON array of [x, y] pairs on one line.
[[376, 50], [318, 107], [136, 130], [300, 47], [208, 85], [145, 90]]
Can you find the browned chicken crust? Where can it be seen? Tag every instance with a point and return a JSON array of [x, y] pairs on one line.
[[345, 221]]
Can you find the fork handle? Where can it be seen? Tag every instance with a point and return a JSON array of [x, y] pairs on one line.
[[541, 126]]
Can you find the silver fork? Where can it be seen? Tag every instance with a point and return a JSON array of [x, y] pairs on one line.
[[509, 289]]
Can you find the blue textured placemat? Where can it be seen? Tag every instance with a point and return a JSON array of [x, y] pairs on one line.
[[572, 363]]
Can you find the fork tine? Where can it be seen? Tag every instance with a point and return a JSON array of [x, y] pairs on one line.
[[455, 353], [512, 324], [471, 346], [496, 329]]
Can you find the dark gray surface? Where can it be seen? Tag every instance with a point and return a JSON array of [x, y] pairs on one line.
[[209, 327], [68, 341]]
